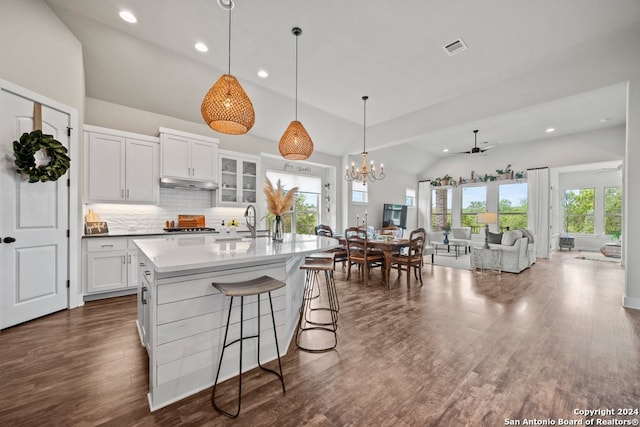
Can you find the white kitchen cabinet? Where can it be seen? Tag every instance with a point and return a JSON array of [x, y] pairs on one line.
[[188, 156], [239, 178], [145, 298], [110, 264], [121, 167], [106, 264]]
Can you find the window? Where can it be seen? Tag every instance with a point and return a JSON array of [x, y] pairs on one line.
[[613, 210], [410, 197], [579, 206], [512, 208], [440, 208], [305, 214], [474, 201], [359, 192]]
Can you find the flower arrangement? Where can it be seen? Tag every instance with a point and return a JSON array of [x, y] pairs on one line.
[[233, 223], [278, 202]]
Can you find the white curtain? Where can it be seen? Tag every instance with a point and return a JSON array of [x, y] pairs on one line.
[[538, 208], [424, 204]]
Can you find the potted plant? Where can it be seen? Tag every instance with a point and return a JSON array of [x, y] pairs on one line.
[[445, 180], [504, 173]]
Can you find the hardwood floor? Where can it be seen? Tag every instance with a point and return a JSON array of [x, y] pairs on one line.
[[467, 348]]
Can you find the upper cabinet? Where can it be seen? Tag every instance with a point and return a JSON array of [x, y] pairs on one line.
[[239, 178], [188, 156], [121, 167]]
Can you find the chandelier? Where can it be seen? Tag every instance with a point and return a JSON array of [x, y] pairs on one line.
[[295, 143], [226, 108], [366, 173]]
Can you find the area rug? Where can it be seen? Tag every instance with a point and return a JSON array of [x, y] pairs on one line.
[[463, 261], [596, 256]]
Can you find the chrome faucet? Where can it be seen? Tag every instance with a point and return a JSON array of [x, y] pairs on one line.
[[250, 218]]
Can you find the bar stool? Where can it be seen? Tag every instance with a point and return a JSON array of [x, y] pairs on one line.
[[261, 285], [313, 266]]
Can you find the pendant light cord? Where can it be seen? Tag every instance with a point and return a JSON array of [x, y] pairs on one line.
[[229, 64], [364, 133], [297, 35]]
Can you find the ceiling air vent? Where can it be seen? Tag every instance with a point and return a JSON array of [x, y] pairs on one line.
[[454, 47]]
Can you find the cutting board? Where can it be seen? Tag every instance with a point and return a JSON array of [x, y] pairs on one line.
[[190, 221]]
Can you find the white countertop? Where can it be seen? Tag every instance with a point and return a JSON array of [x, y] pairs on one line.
[[181, 253]]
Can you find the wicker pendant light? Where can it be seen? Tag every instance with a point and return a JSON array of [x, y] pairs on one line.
[[296, 143], [226, 108]]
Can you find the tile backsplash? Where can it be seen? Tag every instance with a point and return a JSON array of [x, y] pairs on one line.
[[151, 218]]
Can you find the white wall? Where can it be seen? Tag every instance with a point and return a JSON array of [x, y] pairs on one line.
[[390, 190], [40, 53], [631, 203]]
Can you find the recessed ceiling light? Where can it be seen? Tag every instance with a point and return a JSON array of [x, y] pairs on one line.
[[128, 16], [201, 47], [549, 130], [263, 73], [604, 119], [446, 150]]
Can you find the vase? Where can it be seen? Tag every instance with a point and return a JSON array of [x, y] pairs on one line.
[[278, 229], [446, 238]]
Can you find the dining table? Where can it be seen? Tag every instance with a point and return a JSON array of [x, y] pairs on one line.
[[388, 246]]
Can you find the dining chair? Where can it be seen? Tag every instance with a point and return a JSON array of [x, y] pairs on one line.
[[360, 254], [412, 259], [339, 253], [391, 230]]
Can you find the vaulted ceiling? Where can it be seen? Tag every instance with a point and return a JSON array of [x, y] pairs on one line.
[[529, 65]]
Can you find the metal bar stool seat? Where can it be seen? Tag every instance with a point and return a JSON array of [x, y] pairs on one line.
[[313, 266], [258, 286]]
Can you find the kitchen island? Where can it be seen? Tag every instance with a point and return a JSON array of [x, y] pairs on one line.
[[181, 316]]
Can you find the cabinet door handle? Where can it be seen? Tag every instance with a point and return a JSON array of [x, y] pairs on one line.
[[127, 193], [129, 259], [147, 273], [193, 171], [106, 246], [142, 295], [142, 264], [122, 193], [124, 259]]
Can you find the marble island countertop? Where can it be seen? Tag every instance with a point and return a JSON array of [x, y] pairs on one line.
[[193, 252]]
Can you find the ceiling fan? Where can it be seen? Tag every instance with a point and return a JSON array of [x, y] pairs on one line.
[[476, 149]]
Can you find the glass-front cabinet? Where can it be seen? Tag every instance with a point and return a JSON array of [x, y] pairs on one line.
[[238, 178]]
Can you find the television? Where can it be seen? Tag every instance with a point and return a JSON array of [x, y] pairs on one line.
[[394, 215]]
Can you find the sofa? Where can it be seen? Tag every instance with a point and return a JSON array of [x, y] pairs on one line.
[[518, 249]]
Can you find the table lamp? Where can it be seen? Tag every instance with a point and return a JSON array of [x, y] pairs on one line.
[[487, 218]]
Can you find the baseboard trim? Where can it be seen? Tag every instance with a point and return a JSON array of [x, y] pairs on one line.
[[629, 302]]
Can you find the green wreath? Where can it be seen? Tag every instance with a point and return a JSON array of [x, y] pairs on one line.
[[25, 152]]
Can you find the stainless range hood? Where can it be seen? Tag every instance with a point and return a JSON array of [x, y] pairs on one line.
[[188, 184]]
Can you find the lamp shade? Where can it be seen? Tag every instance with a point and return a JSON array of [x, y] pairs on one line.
[[226, 108], [487, 218], [295, 143]]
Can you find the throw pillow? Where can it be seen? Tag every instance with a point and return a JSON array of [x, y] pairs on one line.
[[526, 233], [494, 238], [510, 236]]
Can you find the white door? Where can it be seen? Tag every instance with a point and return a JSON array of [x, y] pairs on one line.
[[34, 267]]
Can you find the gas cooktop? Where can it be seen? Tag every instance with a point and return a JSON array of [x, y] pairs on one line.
[[189, 230]]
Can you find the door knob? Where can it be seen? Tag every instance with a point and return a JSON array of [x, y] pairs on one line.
[[8, 240]]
